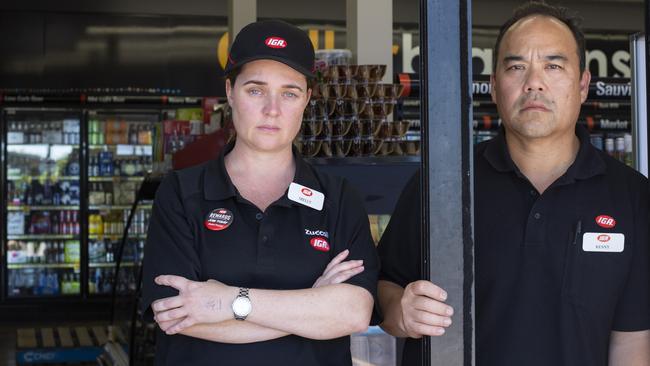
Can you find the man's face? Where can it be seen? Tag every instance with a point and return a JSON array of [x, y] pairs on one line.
[[537, 85]]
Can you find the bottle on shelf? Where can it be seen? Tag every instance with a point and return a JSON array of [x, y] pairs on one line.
[[56, 195], [619, 152], [609, 146], [93, 167], [94, 282], [101, 140], [133, 134], [55, 225], [60, 252], [110, 255], [107, 191], [106, 163], [73, 168], [131, 168], [629, 156], [96, 195], [144, 136]]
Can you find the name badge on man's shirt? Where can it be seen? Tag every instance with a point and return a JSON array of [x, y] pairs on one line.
[[603, 242], [306, 196]]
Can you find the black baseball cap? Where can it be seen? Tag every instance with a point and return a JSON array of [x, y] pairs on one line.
[[272, 40]]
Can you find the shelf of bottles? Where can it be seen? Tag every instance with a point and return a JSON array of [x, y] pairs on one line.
[[42, 201], [119, 156]]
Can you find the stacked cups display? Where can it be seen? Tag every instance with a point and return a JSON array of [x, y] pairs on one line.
[[350, 114]]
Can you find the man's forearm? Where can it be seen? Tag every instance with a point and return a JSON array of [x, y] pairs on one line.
[[629, 348], [233, 331], [318, 313], [390, 296]]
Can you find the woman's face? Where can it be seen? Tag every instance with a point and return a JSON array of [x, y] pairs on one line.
[[267, 101]]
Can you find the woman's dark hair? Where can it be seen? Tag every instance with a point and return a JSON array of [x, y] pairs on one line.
[[541, 8]]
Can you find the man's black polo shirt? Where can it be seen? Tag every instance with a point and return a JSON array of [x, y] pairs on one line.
[[274, 249], [541, 299], [548, 291]]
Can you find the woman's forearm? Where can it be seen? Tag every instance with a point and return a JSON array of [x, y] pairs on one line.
[[233, 331], [317, 313]]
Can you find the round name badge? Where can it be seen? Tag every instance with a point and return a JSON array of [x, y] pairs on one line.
[[219, 219]]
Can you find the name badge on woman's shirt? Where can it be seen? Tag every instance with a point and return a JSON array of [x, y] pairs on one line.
[[306, 196]]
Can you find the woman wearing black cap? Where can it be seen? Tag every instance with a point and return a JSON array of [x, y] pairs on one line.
[[256, 258]]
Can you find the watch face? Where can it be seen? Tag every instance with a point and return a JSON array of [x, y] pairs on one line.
[[242, 306]]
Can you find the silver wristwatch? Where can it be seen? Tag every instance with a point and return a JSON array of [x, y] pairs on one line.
[[242, 305]]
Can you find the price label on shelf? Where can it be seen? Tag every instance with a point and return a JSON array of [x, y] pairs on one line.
[[125, 150]]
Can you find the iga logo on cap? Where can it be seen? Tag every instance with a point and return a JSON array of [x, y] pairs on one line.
[[275, 42], [320, 243], [605, 221]]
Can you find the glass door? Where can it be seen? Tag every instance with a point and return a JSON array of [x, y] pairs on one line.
[[119, 156], [42, 202]]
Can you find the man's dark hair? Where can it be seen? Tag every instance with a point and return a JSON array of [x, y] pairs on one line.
[[540, 8]]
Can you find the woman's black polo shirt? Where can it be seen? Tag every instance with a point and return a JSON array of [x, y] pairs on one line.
[[541, 298], [281, 248]]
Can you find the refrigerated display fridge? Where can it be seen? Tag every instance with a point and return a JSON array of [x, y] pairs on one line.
[[120, 153], [71, 167], [42, 202]]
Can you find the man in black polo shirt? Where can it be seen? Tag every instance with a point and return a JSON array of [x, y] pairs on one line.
[[561, 228]]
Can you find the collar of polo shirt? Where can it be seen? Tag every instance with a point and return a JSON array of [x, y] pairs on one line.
[[588, 162], [218, 186]]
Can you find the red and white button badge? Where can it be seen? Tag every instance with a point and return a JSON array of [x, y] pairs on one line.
[[275, 42], [320, 243], [219, 219], [605, 221]]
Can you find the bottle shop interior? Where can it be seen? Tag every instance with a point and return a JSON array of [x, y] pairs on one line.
[[99, 100]]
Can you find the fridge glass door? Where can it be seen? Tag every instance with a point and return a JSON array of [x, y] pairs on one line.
[[42, 225], [119, 157]]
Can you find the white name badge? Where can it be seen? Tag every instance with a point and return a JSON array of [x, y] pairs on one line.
[[306, 196], [603, 242]]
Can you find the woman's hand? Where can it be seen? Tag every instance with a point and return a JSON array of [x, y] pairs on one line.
[[338, 271], [196, 303]]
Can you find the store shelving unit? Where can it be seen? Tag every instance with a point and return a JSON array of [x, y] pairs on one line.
[[49, 148]]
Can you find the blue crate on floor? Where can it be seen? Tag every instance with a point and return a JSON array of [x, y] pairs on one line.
[[57, 345], [57, 355]]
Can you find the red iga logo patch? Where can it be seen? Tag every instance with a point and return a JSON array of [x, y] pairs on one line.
[[307, 192], [604, 238], [218, 219], [275, 42], [320, 243], [605, 221]]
